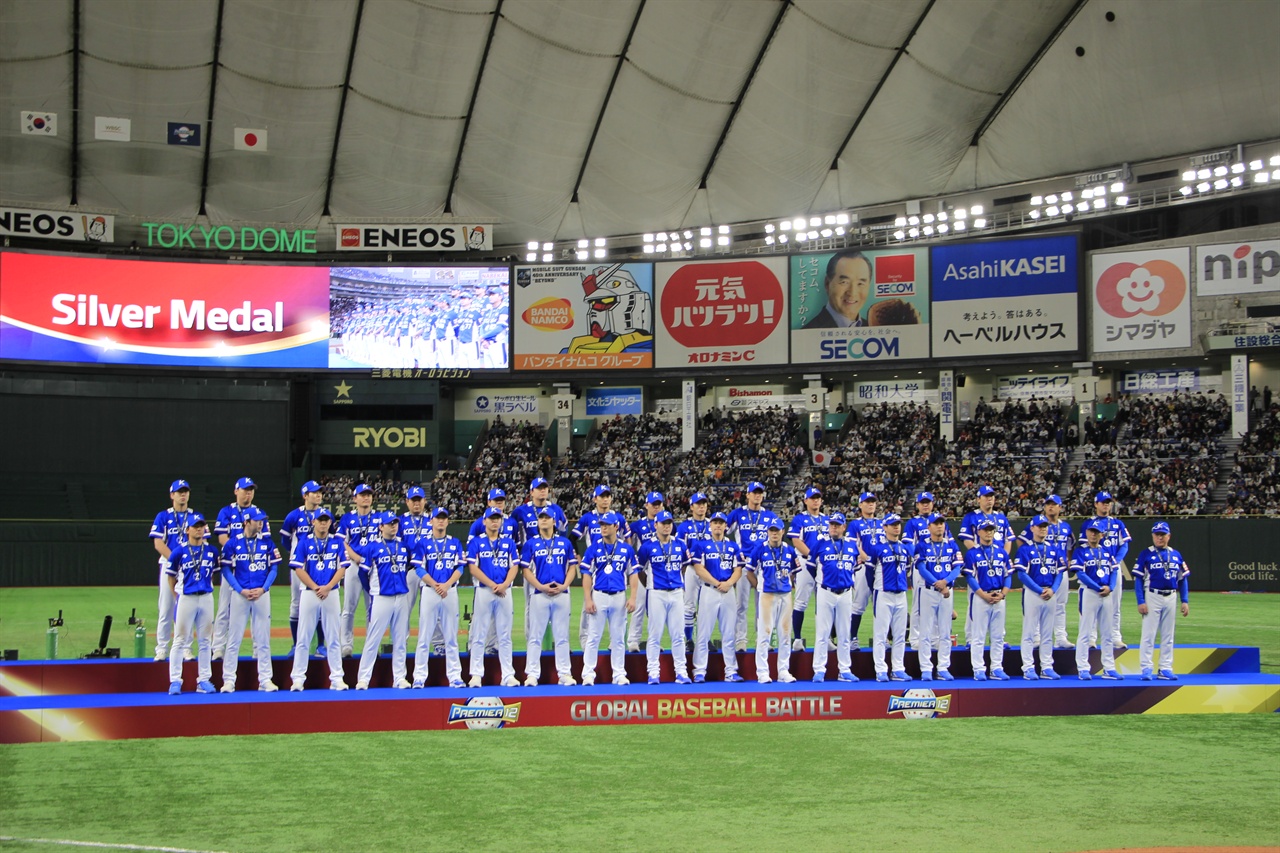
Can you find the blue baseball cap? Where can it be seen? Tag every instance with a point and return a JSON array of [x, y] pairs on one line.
[[1094, 524], [538, 483], [1160, 527], [1052, 499], [246, 483], [361, 488], [1103, 498], [755, 486], [812, 492], [867, 497], [774, 523], [492, 512], [324, 513], [255, 514], [720, 516], [440, 511], [388, 518], [697, 498], [310, 487], [546, 510], [654, 498], [937, 518], [892, 518], [497, 495], [987, 524], [836, 518], [179, 485], [602, 489], [985, 490], [197, 520], [611, 518], [924, 497], [663, 517], [1039, 521], [415, 492]]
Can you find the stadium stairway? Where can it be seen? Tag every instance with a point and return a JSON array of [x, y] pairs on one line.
[[1228, 449]]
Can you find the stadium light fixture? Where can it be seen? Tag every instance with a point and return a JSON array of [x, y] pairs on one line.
[[704, 231], [961, 213], [1037, 200], [980, 222], [531, 257], [1260, 178], [768, 240], [900, 222], [548, 258], [723, 229], [815, 221], [976, 210], [1237, 181], [784, 225], [943, 228], [842, 219], [600, 242], [600, 253], [648, 248], [960, 226], [1052, 210], [900, 234], [704, 243], [582, 254], [1099, 204], [533, 246], [913, 233], [722, 240], [1186, 191], [1034, 214], [1189, 175], [768, 228]]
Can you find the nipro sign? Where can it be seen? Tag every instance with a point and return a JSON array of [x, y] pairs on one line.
[[614, 401]]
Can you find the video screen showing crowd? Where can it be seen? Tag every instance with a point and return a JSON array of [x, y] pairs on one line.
[[690, 578]]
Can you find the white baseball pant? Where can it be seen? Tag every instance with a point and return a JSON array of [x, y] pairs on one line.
[[666, 607], [437, 615], [635, 629], [543, 610], [389, 612], [1060, 638], [494, 614], [716, 608], [611, 609], [861, 596], [295, 587], [258, 614], [194, 611], [1117, 606], [935, 629], [1094, 611], [805, 583], [746, 594], [166, 608], [311, 609], [1037, 630], [913, 622], [222, 616], [890, 618], [986, 619], [1162, 614], [691, 586], [352, 592], [833, 608], [773, 613]]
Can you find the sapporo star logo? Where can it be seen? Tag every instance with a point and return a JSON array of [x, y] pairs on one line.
[[343, 389]]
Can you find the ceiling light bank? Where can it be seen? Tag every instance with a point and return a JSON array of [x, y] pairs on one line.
[[168, 235]]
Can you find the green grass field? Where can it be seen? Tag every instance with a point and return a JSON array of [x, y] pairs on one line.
[[1034, 784]]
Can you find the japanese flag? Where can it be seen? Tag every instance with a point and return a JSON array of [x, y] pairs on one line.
[[38, 123], [251, 139], [822, 458]]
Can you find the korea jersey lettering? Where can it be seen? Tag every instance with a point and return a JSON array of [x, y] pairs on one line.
[[867, 532], [836, 563], [972, 521], [588, 528], [1058, 535], [773, 567], [718, 558], [250, 563], [296, 525], [525, 517], [171, 526], [320, 558], [809, 529], [749, 527], [609, 565], [1160, 569], [413, 529], [938, 561], [193, 566], [495, 557], [358, 529], [231, 521], [508, 528], [1040, 566], [550, 558], [437, 557], [1095, 568], [664, 563], [891, 566], [916, 529], [643, 530], [692, 530], [988, 567], [388, 565], [1115, 537]]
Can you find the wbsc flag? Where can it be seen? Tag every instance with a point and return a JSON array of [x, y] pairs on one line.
[[251, 139], [38, 124], [181, 133], [114, 129]]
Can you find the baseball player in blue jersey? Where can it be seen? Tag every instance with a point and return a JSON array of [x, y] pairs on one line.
[[387, 562], [693, 529], [525, 518], [229, 524], [587, 531], [1041, 568], [249, 564], [497, 499], [968, 535], [938, 562], [718, 564], [493, 560], [890, 564], [1098, 574], [642, 530], [296, 525], [771, 567], [357, 529], [189, 569], [168, 531], [807, 529], [438, 560], [989, 572], [414, 526], [747, 528], [549, 563], [1059, 536], [836, 562], [1160, 573], [610, 586], [665, 560], [867, 531], [1115, 541], [319, 561], [915, 529]]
